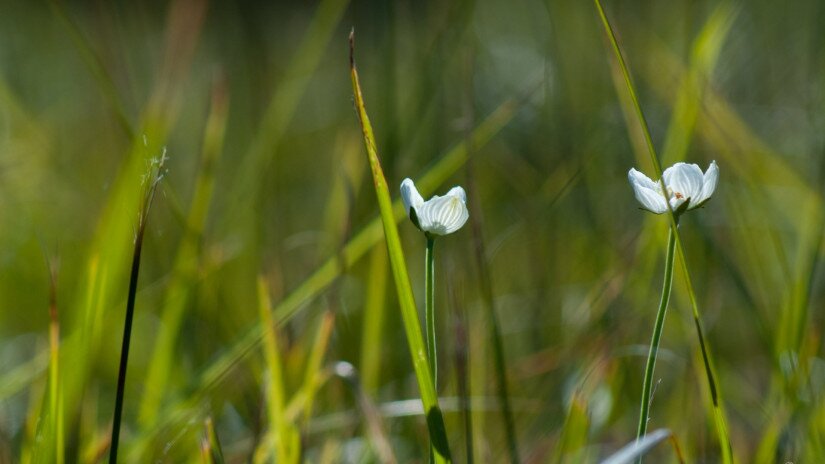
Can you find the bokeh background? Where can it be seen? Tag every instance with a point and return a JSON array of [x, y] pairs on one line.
[[268, 196]]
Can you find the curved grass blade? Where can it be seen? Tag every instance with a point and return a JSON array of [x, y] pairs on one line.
[[718, 414], [280, 430], [637, 449], [375, 426], [96, 67], [415, 339]]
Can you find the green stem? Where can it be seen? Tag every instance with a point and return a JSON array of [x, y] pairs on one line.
[[657, 335], [429, 316], [429, 309]]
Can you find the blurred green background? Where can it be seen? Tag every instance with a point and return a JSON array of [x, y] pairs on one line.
[[267, 181]]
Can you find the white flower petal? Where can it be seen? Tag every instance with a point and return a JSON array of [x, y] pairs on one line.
[[410, 196], [684, 179], [647, 192], [442, 215], [709, 181], [676, 202], [635, 176], [458, 192]]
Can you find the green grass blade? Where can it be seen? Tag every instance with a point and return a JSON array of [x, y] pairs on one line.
[[718, 414], [486, 285], [409, 312], [279, 429], [574, 431], [687, 105], [373, 324], [281, 108], [96, 67], [55, 396], [314, 371], [215, 455], [184, 272]]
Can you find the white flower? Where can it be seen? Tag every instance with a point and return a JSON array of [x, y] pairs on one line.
[[687, 187], [438, 215]]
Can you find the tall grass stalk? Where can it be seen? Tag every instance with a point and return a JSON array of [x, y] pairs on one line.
[[718, 413], [154, 177], [55, 398], [373, 324], [280, 436], [486, 285], [429, 398]]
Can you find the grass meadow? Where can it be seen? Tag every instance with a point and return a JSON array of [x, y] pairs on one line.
[[279, 292]]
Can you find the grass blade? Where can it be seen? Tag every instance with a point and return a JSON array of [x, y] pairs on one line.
[[375, 426], [184, 273], [638, 448], [55, 397], [280, 430], [374, 315], [212, 444], [314, 373], [435, 419]]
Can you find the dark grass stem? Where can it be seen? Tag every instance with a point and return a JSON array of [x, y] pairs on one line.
[[155, 175], [55, 400], [486, 284], [647, 387], [429, 308]]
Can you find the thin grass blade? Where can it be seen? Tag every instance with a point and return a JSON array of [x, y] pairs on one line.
[[415, 339]]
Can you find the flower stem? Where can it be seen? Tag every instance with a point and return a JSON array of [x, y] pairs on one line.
[[429, 309], [657, 335]]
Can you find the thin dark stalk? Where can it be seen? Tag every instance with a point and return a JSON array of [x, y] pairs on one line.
[[429, 308], [657, 335], [375, 425], [486, 284], [461, 354], [156, 171]]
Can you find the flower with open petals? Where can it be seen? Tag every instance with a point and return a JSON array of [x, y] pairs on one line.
[[438, 215], [687, 188]]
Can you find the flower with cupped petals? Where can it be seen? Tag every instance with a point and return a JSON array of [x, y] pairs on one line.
[[687, 188], [438, 215]]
